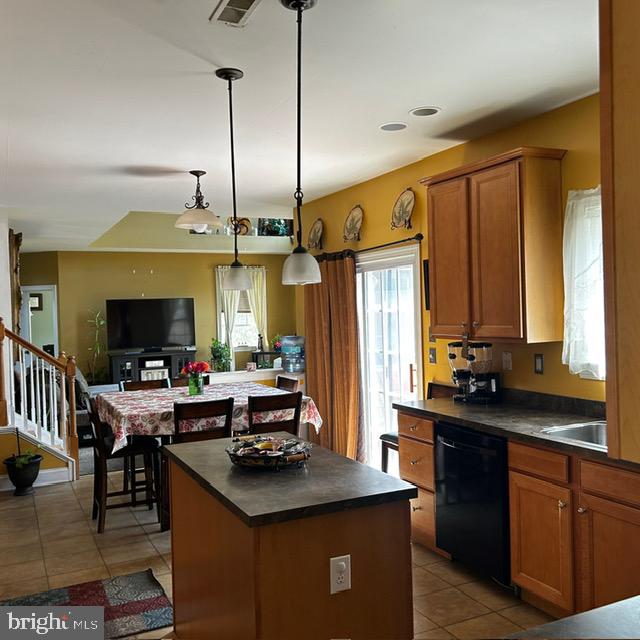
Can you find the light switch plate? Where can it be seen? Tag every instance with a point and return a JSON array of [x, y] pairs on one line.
[[538, 363], [340, 570], [507, 364]]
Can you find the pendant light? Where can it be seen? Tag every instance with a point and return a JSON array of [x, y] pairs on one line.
[[300, 267], [197, 217], [237, 278]]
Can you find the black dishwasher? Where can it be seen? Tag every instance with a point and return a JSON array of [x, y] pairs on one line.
[[472, 499]]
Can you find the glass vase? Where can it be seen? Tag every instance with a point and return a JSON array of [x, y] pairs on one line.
[[196, 384]]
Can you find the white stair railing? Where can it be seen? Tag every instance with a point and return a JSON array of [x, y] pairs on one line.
[[41, 401]]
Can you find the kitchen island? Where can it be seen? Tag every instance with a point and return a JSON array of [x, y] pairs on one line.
[[251, 548]]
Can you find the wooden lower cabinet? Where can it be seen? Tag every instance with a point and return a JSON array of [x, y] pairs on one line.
[[542, 538], [423, 519], [608, 551], [416, 462]]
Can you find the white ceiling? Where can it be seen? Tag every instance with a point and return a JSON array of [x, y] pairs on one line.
[[105, 103]]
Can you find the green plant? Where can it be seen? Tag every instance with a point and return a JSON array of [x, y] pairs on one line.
[[276, 342], [20, 459], [97, 324], [220, 355]]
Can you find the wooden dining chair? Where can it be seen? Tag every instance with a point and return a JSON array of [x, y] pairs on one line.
[[192, 411], [259, 405], [143, 385], [183, 381], [287, 384], [103, 441], [200, 411]]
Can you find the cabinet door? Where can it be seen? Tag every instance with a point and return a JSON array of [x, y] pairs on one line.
[[423, 519], [541, 538], [609, 551], [496, 253], [449, 279]]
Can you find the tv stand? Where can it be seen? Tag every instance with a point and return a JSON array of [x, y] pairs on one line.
[[160, 363]]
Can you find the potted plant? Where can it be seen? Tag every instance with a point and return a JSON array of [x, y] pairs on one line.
[[220, 356], [276, 343], [23, 469]]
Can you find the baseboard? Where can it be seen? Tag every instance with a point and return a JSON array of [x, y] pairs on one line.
[[45, 477]]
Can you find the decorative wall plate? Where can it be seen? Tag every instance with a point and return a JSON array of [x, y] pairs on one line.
[[315, 235], [244, 226], [402, 209], [353, 223]]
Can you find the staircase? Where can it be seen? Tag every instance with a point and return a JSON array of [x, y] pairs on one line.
[[41, 401]]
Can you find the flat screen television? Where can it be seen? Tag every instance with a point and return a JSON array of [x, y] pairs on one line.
[[150, 323]]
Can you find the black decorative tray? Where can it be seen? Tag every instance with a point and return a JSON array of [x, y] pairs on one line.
[[268, 452]]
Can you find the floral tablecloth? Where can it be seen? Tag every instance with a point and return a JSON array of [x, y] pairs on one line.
[[150, 412]]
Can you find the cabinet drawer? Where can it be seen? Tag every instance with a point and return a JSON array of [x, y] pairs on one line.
[[539, 462], [416, 462], [413, 427], [423, 519], [607, 481]]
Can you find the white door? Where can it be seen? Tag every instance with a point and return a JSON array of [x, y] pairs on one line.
[[388, 285]]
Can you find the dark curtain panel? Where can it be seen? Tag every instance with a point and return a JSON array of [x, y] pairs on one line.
[[332, 353]]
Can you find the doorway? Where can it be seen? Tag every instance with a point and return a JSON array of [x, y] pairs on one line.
[[39, 317], [388, 290]]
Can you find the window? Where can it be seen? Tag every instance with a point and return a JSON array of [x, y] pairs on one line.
[[584, 341], [245, 331]]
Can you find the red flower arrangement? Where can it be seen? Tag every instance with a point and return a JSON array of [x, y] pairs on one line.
[[193, 368]]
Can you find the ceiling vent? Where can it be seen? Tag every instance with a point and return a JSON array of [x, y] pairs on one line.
[[233, 13]]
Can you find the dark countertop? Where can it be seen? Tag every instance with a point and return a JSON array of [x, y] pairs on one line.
[[507, 420], [617, 620], [327, 483]]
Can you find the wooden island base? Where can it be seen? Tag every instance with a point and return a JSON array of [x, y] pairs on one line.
[[232, 581]]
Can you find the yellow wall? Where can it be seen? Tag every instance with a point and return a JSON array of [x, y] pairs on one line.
[[87, 279], [8, 447], [574, 127]]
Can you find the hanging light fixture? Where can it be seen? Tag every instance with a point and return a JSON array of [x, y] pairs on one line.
[[197, 217], [237, 278], [300, 267]]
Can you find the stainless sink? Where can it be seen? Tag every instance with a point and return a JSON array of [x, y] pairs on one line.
[[591, 433]]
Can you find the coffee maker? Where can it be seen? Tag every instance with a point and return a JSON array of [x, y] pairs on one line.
[[471, 364]]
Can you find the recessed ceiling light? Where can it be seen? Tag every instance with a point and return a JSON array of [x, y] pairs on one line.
[[393, 126], [424, 111]]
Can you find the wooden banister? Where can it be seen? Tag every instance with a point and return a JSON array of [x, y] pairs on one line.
[[47, 357], [66, 367]]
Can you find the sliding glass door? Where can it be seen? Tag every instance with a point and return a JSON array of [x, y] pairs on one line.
[[390, 340]]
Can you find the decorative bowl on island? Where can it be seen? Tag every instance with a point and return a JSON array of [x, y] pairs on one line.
[[268, 452]]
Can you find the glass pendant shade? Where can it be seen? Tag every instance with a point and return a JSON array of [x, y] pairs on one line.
[[301, 268], [236, 279], [198, 220]]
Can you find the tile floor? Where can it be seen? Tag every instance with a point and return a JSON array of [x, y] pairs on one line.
[[52, 538]]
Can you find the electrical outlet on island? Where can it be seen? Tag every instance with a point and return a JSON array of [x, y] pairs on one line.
[[340, 570]]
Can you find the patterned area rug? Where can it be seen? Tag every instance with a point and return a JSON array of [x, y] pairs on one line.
[[135, 603]]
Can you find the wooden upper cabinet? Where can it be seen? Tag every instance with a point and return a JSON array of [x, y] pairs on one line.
[[542, 539], [495, 248], [449, 256]]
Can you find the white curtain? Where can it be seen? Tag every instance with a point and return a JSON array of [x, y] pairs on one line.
[[258, 300], [229, 301], [584, 337]]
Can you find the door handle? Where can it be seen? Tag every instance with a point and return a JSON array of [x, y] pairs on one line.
[[416, 508], [413, 463], [582, 510], [412, 386], [561, 504]]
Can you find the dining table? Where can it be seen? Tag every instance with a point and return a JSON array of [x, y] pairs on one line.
[[149, 412]]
